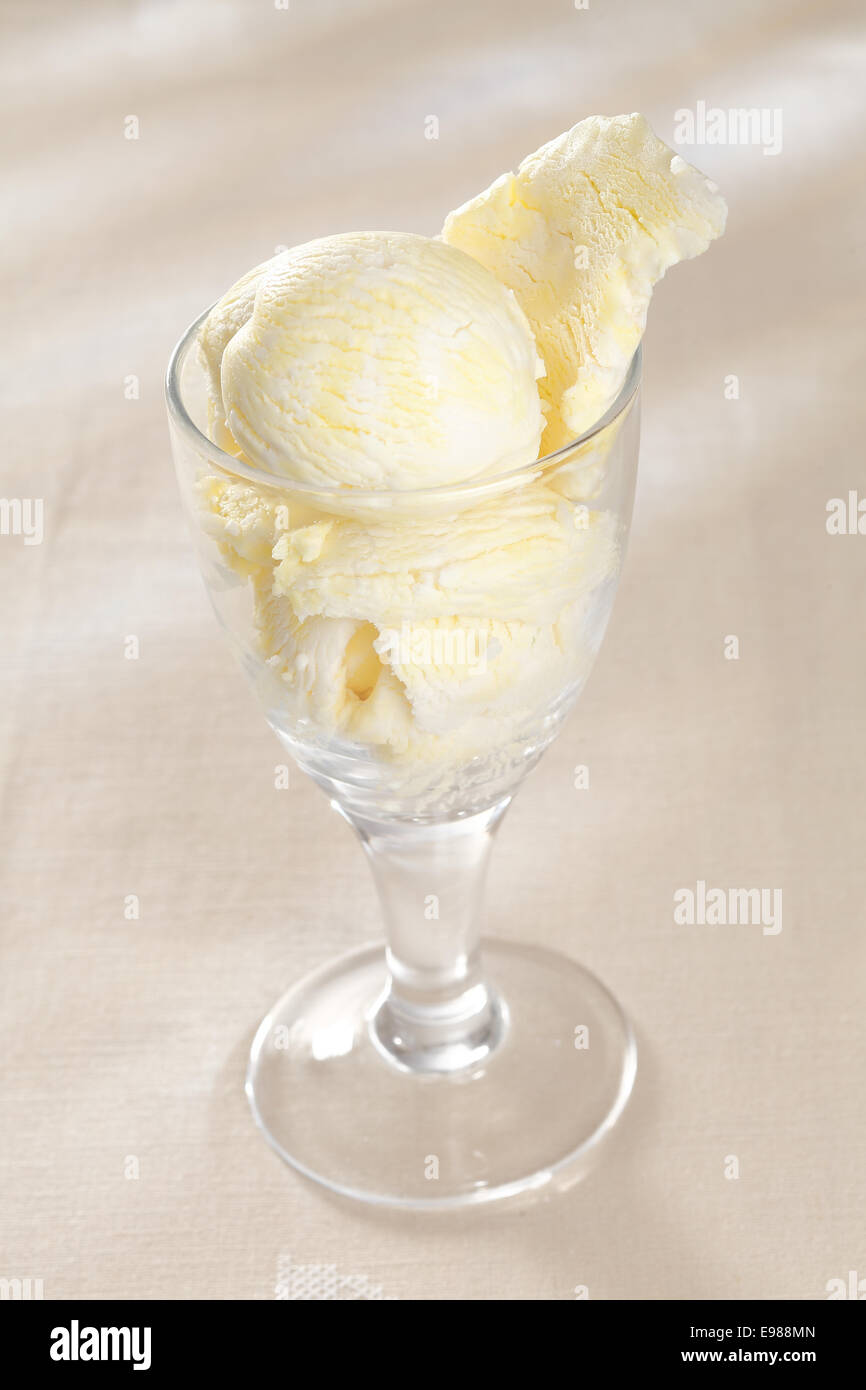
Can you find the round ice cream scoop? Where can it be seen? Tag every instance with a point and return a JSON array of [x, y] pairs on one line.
[[378, 360]]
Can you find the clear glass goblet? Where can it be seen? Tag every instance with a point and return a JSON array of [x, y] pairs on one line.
[[435, 1070]]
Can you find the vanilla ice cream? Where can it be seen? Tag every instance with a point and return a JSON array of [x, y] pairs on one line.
[[581, 234], [375, 360], [417, 637], [383, 363]]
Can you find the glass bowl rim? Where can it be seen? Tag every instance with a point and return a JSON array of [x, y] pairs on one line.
[[237, 468]]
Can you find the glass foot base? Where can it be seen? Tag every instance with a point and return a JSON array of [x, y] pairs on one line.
[[528, 1117]]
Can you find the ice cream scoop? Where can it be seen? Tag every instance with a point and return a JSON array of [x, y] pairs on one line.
[[374, 360], [581, 234], [423, 638]]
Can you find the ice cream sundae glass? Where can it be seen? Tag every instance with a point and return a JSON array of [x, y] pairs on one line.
[[409, 467]]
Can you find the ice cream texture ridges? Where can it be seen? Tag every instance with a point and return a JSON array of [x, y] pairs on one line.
[[581, 234], [375, 360], [423, 637], [390, 362]]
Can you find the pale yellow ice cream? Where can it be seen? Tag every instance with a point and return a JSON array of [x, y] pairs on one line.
[[424, 637], [581, 234], [428, 635], [375, 360]]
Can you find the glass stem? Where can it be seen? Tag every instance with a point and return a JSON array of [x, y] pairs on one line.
[[437, 1013]]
